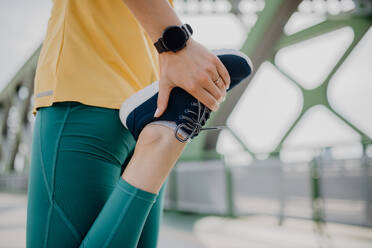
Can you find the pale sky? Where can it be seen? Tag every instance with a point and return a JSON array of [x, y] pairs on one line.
[[272, 102]]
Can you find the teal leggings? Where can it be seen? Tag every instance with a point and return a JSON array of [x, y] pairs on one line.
[[76, 195]]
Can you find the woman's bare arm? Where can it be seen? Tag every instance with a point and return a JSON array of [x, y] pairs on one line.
[[194, 68]]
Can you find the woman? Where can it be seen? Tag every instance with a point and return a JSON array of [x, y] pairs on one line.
[[85, 187]]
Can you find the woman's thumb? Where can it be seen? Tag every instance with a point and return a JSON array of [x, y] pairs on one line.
[[163, 97]]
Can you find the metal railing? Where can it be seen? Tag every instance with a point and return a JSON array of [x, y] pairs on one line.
[[322, 189]]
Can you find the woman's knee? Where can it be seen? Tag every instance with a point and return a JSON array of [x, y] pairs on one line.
[[155, 135]]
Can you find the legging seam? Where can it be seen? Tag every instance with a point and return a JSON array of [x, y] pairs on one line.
[[53, 174], [76, 107], [42, 162], [77, 235], [126, 141], [109, 239], [45, 181], [134, 194]]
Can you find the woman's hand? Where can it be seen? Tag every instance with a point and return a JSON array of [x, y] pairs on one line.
[[194, 69]]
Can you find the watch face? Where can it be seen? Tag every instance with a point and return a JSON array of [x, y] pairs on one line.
[[174, 38]]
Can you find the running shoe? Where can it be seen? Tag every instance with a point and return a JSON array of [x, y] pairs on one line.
[[184, 113]]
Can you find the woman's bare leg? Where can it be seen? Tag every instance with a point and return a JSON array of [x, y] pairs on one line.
[[156, 152]]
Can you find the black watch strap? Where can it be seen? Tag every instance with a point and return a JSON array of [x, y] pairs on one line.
[[159, 45], [187, 28]]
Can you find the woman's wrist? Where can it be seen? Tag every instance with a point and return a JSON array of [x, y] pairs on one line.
[[189, 43]]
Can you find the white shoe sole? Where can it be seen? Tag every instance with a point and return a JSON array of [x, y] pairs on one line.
[[136, 99]]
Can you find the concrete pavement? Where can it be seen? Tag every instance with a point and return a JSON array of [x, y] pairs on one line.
[[184, 230]]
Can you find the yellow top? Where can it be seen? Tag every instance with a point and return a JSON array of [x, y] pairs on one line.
[[96, 53]]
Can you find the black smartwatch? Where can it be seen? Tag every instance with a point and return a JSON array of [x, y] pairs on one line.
[[174, 38]]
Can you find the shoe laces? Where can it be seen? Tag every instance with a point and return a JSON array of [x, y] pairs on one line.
[[194, 119]]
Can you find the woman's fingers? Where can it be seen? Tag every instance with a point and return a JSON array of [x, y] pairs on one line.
[[222, 71], [163, 96], [214, 90], [219, 82], [206, 98]]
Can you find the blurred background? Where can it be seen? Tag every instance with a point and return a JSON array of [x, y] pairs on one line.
[[292, 168]]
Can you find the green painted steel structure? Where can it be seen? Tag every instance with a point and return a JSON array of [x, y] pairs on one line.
[[262, 44]]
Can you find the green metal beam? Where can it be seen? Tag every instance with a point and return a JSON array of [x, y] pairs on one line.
[[30, 65], [318, 95], [259, 46]]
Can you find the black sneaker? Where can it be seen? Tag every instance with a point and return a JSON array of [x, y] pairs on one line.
[[184, 113]]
